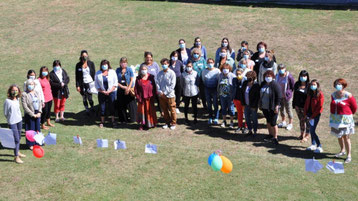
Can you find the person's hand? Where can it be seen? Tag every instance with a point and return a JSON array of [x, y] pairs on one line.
[[38, 115], [78, 89], [43, 105], [62, 84], [127, 90], [276, 109]]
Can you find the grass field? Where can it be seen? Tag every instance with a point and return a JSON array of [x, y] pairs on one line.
[[35, 32]]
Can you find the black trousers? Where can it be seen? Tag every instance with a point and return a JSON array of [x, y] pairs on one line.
[[202, 94], [194, 104], [86, 97], [46, 112], [124, 103], [178, 91]]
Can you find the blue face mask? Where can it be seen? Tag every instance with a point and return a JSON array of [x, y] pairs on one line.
[[303, 79], [267, 59], [164, 66], [282, 71], [30, 87], [243, 66], [262, 49], [45, 73], [197, 43], [339, 87], [182, 45], [56, 68], [243, 48], [210, 65], [223, 54], [196, 56], [224, 44], [104, 67], [246, 56], [313, 87]]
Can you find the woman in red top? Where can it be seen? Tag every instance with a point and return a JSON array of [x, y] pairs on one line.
[[343, 107], [145, 89], [46, 88], [312, 111]]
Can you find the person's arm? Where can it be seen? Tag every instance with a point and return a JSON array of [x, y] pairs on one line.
[[182, 81], [77, 75], [217, 56], [353, 104], [319, 107], [53, 83], [233, 55], [6, 109], [278, 96], [115, 81], [256, 91], [25, 106], [66, 78], [172, 82], [158, 89]]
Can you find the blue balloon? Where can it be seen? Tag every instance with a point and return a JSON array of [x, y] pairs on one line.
[[211, 157], [217, 163]]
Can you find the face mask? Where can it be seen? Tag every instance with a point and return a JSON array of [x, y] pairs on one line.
[[164, 66], [267, 59], [14, 93], [189, 69], [144, 72], [313, 87], [32, 77], [246, 56], [124, 65], [303, 79], [30, 87], [239, 77], [224, 44], [339, 87], [282, 71], [45, 73], [104, 67], [85, 58], [196, 56], [268, 79], [174, 58], [211, 65], [223, 54], [262, 49], [249, 79], [57, 68], [182, 45], [225, 71], [197, 43], [243, 48], [243, 65]]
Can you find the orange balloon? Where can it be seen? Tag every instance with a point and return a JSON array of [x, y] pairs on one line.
[[38, 151], [227, 165]]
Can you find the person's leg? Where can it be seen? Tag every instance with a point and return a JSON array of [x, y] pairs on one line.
[[232, 112], [254, 119], [347, 144], [37, 122], [247, 112], [316, 120], [236, 103], [16, 135], [62, 108], [48, 114], [164, 105], [56, 107], [178, 91], [132, 107], [194, 103], [173, 114], [111, 102], [282, 110], [202, 94], [84, 100], [210, 103], [186, 107], [44, 114], [341, 144], [215, 103], [102, 104], [224, 106], [300, 116], [121, 103], [289, 111]]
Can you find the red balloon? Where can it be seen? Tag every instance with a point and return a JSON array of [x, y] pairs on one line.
[[38, 151]]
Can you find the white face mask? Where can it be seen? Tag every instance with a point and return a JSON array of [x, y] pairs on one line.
[[223, 54], [189, 69], [144, 72], [174, 58], [225, 71], [268, 79], [32, 77]]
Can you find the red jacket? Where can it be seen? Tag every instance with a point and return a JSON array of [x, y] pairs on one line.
[[347, 106], [316, 105]]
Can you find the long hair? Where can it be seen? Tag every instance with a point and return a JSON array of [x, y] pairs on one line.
[[228, 44], [302, 74], [9, 91], [315, 93]]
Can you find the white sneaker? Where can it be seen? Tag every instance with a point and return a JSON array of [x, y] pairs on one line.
[[318, 150], [165, 126], [172, 127], [177, 110], [231, 125], [282, 124], [289, 127], [311, 148], [223, 125]]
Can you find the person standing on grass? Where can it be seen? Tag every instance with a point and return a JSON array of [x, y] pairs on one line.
[[199, 65], [209, 78], [260, 56], [197, 44], [269, 103], [286, 82], [31, 74], [190, 86], [184, 53], [85, 72], [268, 64], [300, 89], [249, 99], [165, 81], [242, 50], [225, 43], [224, 58], [343, 107], [178, 67], [312, 111], [236, 94], [32, 104], [225, 94], [125, 93], [106, 83], [13, 116], [59, 86], [46, 88], [145, 90]]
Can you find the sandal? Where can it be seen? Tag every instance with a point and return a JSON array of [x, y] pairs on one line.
[[348, 160], [340, 154]]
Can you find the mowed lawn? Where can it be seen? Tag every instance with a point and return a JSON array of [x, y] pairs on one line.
[[34, 33]]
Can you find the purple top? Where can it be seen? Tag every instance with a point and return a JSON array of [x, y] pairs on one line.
[[287, 84], [178, 68], [153, 69]]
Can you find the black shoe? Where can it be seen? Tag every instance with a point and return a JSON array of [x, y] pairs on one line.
[[187, 122], [275, 141], [195, 121], [245, 131], [268, 138]]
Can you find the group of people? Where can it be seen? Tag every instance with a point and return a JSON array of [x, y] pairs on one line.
[[255, 82]]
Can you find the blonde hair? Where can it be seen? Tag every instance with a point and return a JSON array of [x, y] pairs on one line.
[[196, 50]]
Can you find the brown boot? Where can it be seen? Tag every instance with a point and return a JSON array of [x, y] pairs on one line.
[[43, 126], [49, 123], [18, 160], [21, 155]]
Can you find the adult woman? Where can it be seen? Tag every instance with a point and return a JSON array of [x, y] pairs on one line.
[[190, 85], [242, 50], [313, 110], [32, 104], [268, 64], [269, 103], [197, 44], [236, 95], [230, 51], [125, 94], [224, 58], [152, 66], [259, 56], [343, 107], [246, 57], [244, 66], [225, 94], [145, 90], [209, 79], [300, 90], [31, 74], [178, 67], [85, 71], [106, 83], [250, 91], [199, 65], [13, 116], [59, 81], [46, 88], [183, 52]]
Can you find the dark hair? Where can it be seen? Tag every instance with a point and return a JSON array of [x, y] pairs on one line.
[[104, 61], [225, 66], [164, 60], [9, 91], [181, 40], [251, 74], [42, 69], [189, 62], [207, 61], [315, 93], [261, 43], [304, 73], [228, 44], [196, 38], [270, 73], [341, 81], [171, 55], [244, 42], [82, 52], [56, 63], [30, 72], [148, 53], [221, 58]]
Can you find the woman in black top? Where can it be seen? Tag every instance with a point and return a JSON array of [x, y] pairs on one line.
[[299, 97], [184, 53], [259, 56], [240, 52], [85, 71]]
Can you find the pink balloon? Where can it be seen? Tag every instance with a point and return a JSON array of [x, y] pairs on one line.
[[30, 135]]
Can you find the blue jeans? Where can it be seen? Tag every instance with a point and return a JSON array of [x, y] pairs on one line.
[[33, 124], [212, 100], [110, 99], [251, 118], [16, 130], [227, 106], [314, 136]]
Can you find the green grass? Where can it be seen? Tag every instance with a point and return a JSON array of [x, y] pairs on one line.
[[34, 33]]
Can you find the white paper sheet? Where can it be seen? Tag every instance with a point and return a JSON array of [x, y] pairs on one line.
[[102, 143], [39, 138], [7, 138], [335, 167], [77, 140], [151, 149], [50, 139], [313, 165], [119, 145]]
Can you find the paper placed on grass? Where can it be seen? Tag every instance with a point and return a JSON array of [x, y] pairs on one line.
[[50, 139], [7, 138], [335, 167], [102, 143], [77, 140], [119, 145], [151, 149], [39, 138], [313, 165]]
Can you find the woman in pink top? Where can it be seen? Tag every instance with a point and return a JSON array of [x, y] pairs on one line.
[[46, 88]]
